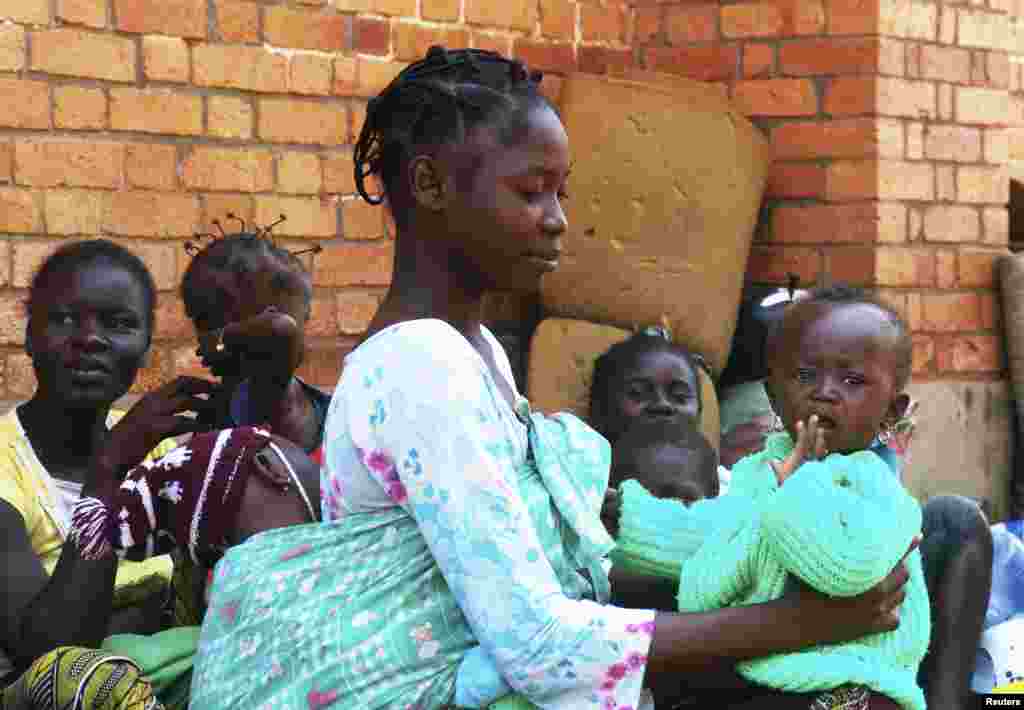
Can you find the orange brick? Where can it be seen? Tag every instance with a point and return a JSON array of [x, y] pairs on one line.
[[310, 74], [776, 97], [323, 317], [997, 225], [691, 23], [915, 140], [165, 59], [945, 183], [984, 106], [774, 264], [982, 29], [991, 314], [298, 173], [229, 170], [370, 77], [219, 206], [545, 56], [230, 117], [321, 366], [802, 17], [303, 28], [339, 175], [413, 40], [77, 53], [171, 321], [558, 19], [951, 223], [647, 23], [884, 179], [892, 57], [306, 217], [604, 60], [296, 121], [151, 166], [852, 265], [156, 111], [138, 213], [751, 20], [954, 143], [26, 258], [982, 184], [27, 104], [976, 268], [945, 269], [240, 67], [950, 312], [969, 353], [352, 6], [603, 23], [913, 60], [362, 220], [997, 146], [355, 311], [758, 60], [853, 17], [822, 57], [851, 96], [19, 377], [945, 97], [496, 13], [713, 62], [349, 264], [900, 266], [12, 48], [6, 162], [373, 36], [441, 10], [846, 223], [178, 18], [796, 180], [908, 18], [237, 21], [19, 211], [12, 318], [35, 12], [77, 107], [357, 112], [395, 7], [945, 63], [923, 354], [910, 99], [65, 163], [75, 212], [998, 69], [915, 223]]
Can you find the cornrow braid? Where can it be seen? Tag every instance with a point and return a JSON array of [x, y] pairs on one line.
[[435, 101]]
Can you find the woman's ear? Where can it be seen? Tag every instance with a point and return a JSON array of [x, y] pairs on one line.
[[427, 183]]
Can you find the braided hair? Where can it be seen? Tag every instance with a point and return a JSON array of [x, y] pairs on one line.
[[436, 101]]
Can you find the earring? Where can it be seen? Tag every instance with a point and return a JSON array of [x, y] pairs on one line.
[[886, 433]]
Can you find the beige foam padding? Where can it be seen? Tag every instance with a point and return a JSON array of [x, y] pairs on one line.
[[664, 197], [562, 355], [1011, 279]]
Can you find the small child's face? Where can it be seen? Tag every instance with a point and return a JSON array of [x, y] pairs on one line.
[[660, 385], [668, 471], [839, 363]]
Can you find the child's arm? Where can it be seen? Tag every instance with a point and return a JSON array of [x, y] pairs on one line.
[[841, 524]]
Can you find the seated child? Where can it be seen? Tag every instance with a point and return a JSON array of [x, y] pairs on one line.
[[815, 505]]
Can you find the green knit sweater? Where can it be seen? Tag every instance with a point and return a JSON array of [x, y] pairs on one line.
[[840, 525]]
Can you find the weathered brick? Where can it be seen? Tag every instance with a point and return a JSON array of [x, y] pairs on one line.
[[26, 105], [853, 265], [295, 121], [991, 313], [217, 206], [998, 69], [951, 142], [323, 317], [355, 310], [171, 321], [240, 67], [138, 213], [595, 59], [75, 212], [945, 63], [34, 12], [298, 173], [755, 19], [997, 225], [412, 40], [178, 18], [495, 13], [230, 117], [357, 117], [66, 163], [776, 97], [152, 166], [851, 96], [229, 170], [892, 57], [796, 180], [945, 269], [19, 376], [691, 23], [441, 10], [950, 312], [303, 28], [310, 73], [156, 111], [12, 48], [363, 77], [372, 36], [830, 56], [907, 18], [546, 56], [77, 53], [843, 223], [922, 354], [758, 60], [347, 264], [802, 17], [986, 106], [339, 175], [945, 183], [602, 23], [648, 21], [774, 264], [78, 107], [6, 162], [19, 211], [165, 59], [306, 217], [904, 266], [361, 220], [13, 319], [852, 17], [321, 366], [711, 62], [982, 184], [976, 268], [915, 140], [884, 179], [910, 99], [951, 223], [983, 29], [237, 20], [401, 8], [969, 353], [945, 99]]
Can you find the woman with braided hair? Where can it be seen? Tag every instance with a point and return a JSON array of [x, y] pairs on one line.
[[462, 560]]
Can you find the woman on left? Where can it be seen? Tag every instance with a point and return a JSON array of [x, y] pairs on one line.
[[90, 321]]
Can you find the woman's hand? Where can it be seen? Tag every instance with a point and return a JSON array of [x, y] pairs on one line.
[[163, 413], [611, 509], [810, 446]]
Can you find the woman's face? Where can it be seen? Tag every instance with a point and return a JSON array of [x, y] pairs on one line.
[[88, 334], [508, 218]]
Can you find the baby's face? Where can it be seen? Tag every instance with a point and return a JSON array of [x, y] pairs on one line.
[[670, 472]]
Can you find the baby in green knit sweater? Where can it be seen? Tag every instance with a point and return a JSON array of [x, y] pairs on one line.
[[815, 505]]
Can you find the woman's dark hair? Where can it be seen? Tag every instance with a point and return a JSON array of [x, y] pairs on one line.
[[435, 101], [77, 254], [240, 253], [623, 355]]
